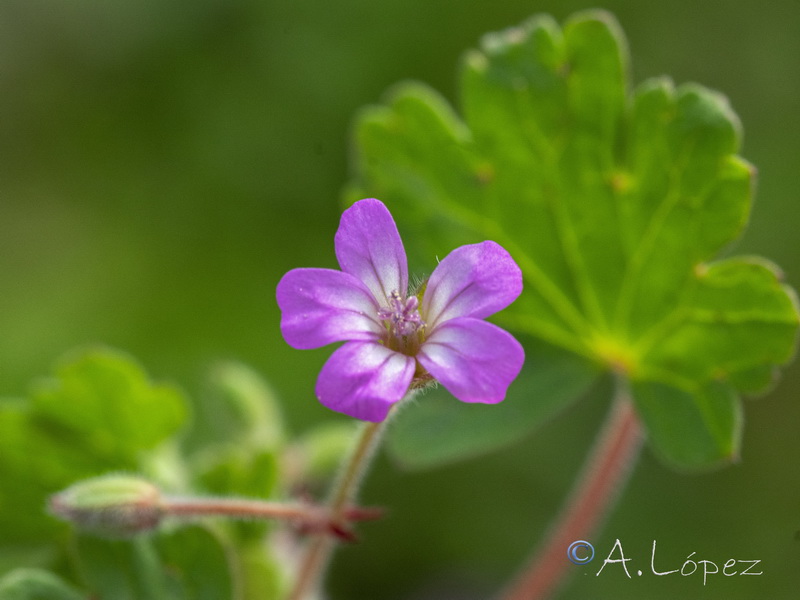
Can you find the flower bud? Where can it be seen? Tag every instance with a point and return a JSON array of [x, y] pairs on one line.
[[110, 506]]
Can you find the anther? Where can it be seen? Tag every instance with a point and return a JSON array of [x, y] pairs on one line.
[[402, 315]]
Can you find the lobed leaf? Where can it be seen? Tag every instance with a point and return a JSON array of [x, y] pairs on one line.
[[103, 402], [99, 413], [615, 204]]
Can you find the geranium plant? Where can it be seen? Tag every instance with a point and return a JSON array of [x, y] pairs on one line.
[[584, 217]]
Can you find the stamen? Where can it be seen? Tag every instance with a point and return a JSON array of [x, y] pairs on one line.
[[402, 315]]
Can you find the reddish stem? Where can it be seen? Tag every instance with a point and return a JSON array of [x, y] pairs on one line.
[[605, 471], [247, 509], [311, 518]]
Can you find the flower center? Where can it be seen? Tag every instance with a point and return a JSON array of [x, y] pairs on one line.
[[402, 319]]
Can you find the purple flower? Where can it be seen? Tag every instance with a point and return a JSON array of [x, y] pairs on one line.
[[396, 340]]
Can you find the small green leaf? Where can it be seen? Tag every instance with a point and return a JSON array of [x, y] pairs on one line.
[[101, 400], [237, 435], [190, 563], [263, 575], [225, 469], [99, 413], [437, 429], [32, 467], [122, 570], [197, 562], [238, 407], [614, 202], [32, 584]]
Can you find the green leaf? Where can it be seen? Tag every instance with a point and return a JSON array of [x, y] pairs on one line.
[[103, 401], [198, 563], [690, 429], [31, 467], [99, 413], [436, 429], [32, 584], [122, 570], [190, 563], [236, 439], [264, 572], [238, 407], [229, 470], [615, 204]]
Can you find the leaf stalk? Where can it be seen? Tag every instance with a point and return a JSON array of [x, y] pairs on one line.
[[604, 473]]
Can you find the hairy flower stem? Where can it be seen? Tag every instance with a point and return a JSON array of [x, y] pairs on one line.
[[320, 549], [311, 517], [608, 464]]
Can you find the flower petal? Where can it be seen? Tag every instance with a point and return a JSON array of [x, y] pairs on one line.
[[369, 247], [475, 360], [322, 306], [472, 281], [364, 379]]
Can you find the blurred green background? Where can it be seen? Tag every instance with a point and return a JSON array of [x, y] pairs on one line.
[[162, 164]]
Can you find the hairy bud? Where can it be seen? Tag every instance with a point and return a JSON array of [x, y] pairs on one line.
[[110, 506]]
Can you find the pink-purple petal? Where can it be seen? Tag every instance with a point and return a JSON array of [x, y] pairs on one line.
[[364, 379], [322, 306], [368, 246], [472, 281], [474, 360]]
